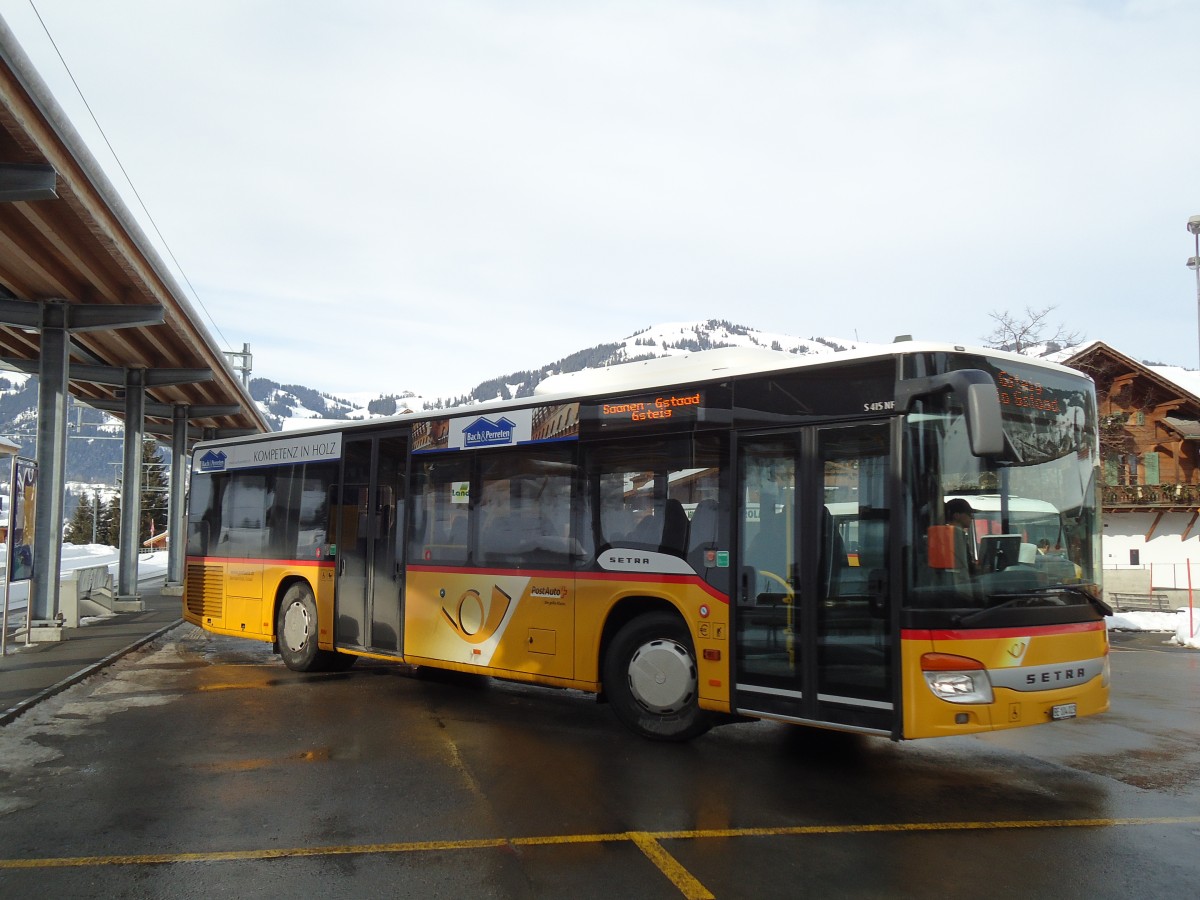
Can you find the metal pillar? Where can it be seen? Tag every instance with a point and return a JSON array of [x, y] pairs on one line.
[[51, 455], [242, 363], [179, 414], [131, 492], [57, 320], [1193, 226], [177, 518]]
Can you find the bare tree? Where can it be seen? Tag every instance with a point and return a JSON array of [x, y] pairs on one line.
[[1019, 333]]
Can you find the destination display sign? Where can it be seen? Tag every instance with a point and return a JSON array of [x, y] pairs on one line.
[[1021, 392], [1046, 413], [667, 407]]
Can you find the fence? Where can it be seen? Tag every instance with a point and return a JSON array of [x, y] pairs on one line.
[[1165, 576]]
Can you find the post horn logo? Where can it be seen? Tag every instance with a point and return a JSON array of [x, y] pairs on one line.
[[471, 620]]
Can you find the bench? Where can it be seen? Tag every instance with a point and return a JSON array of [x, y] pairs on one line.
[[85, 592], [1152, 602]]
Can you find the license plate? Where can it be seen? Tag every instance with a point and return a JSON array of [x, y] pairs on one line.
[[1062, 711]]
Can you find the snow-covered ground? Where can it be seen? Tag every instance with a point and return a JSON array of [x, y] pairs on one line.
[[81, 556], [1183, 623]]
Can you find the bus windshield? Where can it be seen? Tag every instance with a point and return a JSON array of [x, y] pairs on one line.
[[995, 538]]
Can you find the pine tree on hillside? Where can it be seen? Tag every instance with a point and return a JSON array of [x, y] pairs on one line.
[[154, 491], [80, 528], [153, 500], [108, 526]]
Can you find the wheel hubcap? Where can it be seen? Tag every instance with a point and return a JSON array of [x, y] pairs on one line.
[[295, 626], [662, 676]]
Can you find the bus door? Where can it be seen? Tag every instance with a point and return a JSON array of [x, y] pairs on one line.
[[370, 548], [813, 634]]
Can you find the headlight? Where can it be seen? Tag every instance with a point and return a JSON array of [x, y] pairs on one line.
[[956, 679]]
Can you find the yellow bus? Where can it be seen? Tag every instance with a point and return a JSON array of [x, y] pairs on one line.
[[729, 535]]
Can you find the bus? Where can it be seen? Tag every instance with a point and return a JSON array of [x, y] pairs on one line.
[[730, 535]]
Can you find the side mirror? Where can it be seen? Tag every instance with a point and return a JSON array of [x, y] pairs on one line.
[[980, 399], [985, 430]]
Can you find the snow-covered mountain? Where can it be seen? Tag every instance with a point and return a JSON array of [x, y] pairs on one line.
[[291, 406], [94, 452]]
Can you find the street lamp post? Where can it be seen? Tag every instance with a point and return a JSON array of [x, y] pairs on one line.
[[1193, 226]]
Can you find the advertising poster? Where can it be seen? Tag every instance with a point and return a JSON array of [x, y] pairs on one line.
[[21, 521]]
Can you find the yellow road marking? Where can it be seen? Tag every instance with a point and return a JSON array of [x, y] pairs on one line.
[[648, 842], [670, 866]]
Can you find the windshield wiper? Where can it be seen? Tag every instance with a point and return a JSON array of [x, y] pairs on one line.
[[1102, 607], [1015, 599]]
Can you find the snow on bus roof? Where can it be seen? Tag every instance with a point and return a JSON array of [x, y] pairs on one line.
[[707, 365], [668, 371], [663, 370]]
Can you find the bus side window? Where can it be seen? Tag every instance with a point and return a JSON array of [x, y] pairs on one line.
[[702, 534], [243, 516], [664, 528], [648, 496], [312, 511], [441, 512], [202, 513], [525, 510]]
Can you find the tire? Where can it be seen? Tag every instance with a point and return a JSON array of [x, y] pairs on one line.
[[297, 630], [651, 679]]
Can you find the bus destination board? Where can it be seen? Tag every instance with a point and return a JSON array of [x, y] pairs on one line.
[[668, 407]]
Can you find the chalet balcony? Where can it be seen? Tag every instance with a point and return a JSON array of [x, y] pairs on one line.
[[1176, 497]]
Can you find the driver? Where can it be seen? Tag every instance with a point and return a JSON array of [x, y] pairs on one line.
[[959, 514]]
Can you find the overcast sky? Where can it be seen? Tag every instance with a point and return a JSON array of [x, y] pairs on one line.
[[419, 195]]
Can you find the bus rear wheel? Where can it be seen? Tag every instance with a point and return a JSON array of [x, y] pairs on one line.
[[297, 634], [651, 681]]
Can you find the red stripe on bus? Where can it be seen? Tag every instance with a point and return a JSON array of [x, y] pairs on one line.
[[652, 578], [983, 634], [694, 580]]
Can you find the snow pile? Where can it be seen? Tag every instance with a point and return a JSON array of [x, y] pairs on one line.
[[1187, 628], [1183, 622]]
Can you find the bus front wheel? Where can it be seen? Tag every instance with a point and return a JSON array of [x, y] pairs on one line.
[[297, 634], [650, 679]]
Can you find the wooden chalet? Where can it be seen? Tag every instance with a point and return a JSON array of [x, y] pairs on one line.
[[1149, 439]]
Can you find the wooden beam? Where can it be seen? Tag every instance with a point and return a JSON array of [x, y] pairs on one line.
[[1154, 525], [75, 258], [1187, 532]]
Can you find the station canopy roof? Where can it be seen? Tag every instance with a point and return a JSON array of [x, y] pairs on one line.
[[79, 245]]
